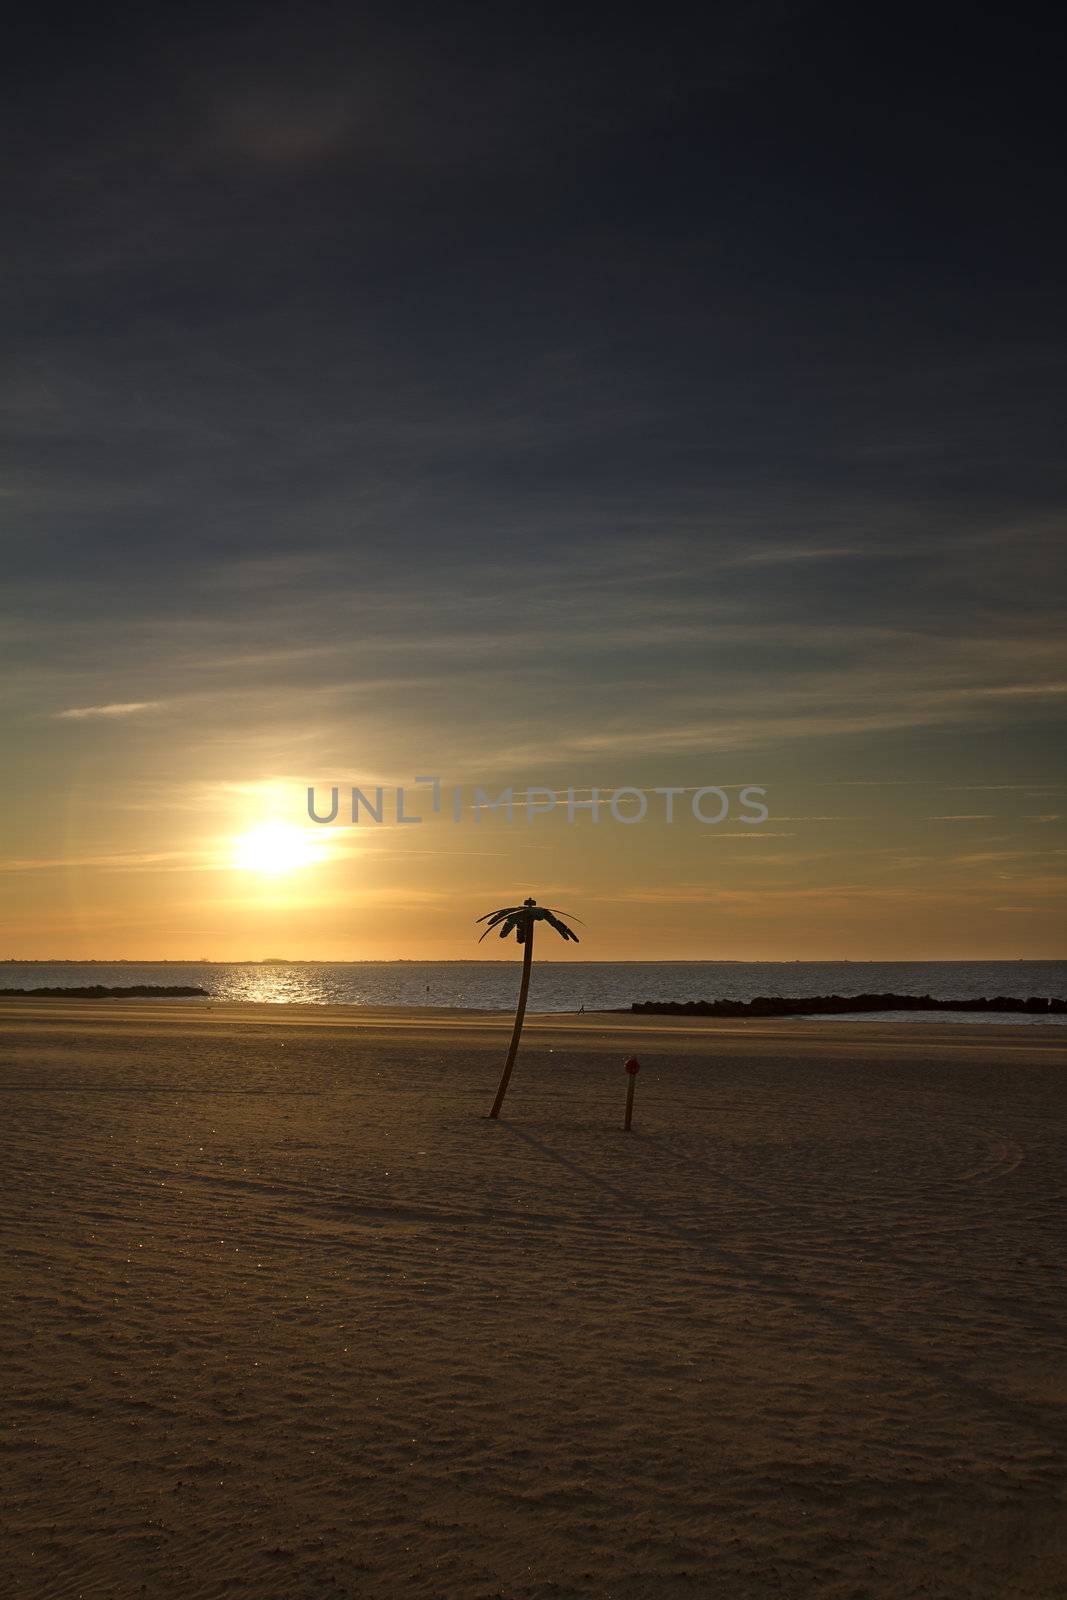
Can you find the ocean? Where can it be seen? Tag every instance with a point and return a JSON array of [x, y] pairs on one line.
[[563, 986]]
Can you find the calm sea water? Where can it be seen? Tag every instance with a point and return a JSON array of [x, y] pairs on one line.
[[560, 986]]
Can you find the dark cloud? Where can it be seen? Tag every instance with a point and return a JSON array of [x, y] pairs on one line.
[[330, 322]]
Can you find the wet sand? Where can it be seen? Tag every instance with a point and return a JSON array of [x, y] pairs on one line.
[[287, 1316]]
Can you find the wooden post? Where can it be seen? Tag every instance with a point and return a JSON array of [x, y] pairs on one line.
[[633, 1067], [527, 961]]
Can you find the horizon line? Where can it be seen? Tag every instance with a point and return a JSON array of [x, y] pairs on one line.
[[386, 961]]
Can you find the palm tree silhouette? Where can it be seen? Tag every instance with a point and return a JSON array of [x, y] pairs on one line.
[[520, 920]]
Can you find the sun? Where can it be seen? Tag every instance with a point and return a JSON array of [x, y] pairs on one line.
[[274, 848]]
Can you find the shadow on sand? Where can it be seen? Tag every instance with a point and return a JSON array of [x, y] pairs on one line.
[[1049, 1426]]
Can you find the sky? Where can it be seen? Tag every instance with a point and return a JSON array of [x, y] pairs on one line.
[[557, 397]]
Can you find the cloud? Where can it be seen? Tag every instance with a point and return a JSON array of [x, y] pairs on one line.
[[984, 857], [835, 896], [284, 129], [780, 555], [157, 860], [116, 708]]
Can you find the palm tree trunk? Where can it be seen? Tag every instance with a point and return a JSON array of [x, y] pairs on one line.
[[527, 961]]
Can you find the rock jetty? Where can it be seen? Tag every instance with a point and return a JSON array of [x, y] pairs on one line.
[[830, 1004], [100, 991]]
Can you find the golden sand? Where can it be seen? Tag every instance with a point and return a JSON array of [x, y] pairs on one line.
[[286, 1316]]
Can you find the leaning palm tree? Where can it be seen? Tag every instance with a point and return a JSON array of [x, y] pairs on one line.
[[520, 921]]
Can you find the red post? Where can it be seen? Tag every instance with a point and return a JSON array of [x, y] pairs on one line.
[[633, 1067]]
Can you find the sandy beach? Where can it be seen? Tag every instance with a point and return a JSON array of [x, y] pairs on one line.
[[286, 1316]]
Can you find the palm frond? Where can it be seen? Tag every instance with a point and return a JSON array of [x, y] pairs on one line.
[[507, 914], [492, 918], [516, 920], [560, 927]]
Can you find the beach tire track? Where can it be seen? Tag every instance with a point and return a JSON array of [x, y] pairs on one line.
[[1004, 1158]]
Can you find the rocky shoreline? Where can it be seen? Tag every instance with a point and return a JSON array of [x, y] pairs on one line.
[[836, 1004], [100, 991]]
